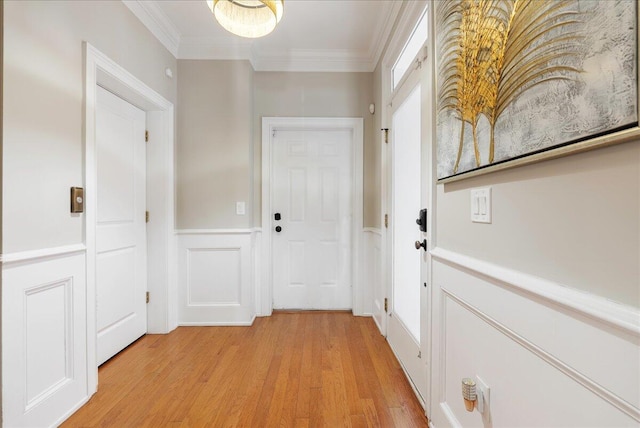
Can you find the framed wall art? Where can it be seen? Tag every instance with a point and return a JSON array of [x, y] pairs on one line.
[[524, 80]]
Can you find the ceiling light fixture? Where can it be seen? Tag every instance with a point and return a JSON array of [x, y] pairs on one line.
[[247, 18]]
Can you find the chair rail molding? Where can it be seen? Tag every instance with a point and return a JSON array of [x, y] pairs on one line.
[[9, 259], [622, 316]]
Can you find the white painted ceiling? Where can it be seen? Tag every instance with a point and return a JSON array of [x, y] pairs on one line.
[[314, 35]]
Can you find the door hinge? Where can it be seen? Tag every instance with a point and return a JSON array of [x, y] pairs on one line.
[[147, 297], [146, 216], [146, 136], [386, 221], [386, 304], [386, 135]]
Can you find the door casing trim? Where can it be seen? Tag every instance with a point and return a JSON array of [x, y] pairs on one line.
[[162, 314], [264, 293]]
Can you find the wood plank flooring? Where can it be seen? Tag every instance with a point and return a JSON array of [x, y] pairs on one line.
[[306, 369]]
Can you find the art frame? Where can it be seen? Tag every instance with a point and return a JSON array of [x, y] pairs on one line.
[[461, 137]]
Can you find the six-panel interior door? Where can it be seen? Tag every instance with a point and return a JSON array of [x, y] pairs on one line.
[[121, 278], [405, 316], [311, 193]]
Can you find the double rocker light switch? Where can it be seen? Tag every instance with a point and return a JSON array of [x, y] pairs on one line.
[[481, 205]]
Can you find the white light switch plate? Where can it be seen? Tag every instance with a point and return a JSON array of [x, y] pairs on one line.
[[240, 208], [481, 205]]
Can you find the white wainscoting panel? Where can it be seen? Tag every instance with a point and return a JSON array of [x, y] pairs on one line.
[[44, 334], [548, 362], [371, 269], [256, 253], [216, 271]]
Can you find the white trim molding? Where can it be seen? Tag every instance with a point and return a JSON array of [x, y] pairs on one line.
[[157, 22], [550, 359], [216, 278], [293, 60], [371, 270], [40, 255], [45, 376], [498, 323], [269, 124], [161, 311], [374, 230], [214, 231], [598, 308]]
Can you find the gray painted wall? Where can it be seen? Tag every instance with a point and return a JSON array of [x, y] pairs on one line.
[[220, 109], [574, 220], [43, 107], [318, 95], [215, 106]]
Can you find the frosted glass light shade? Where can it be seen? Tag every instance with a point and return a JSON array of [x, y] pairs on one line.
[[247, 18]]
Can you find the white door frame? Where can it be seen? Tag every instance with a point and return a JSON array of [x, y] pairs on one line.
[[162, 283], [264, 296], [406, 22]]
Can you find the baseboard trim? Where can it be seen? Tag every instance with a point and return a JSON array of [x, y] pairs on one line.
[[618, 315], [448, 413], [72, 411], [218, 324], [215, 231], [41, 254]]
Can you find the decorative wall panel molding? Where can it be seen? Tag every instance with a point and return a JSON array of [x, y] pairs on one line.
[[371, 267], [44, 336], [215, 271], [502, 325]]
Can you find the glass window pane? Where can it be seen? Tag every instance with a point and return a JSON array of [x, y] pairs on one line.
[[410, 50], [406, 206]]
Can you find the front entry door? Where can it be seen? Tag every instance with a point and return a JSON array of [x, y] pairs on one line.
[[407, 321], [311, 218], [121, 257]]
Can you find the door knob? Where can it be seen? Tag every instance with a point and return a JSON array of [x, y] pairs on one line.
[[422, 244], [278, 229]]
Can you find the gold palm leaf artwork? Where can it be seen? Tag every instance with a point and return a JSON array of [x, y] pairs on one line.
[[492, 51]]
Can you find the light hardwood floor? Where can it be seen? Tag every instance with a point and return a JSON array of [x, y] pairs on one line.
[[327, 369]]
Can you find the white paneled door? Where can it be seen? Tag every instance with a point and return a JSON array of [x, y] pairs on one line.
[[121, 277], [311, 220]]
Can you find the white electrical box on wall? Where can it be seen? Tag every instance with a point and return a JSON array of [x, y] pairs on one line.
[[481, 205]]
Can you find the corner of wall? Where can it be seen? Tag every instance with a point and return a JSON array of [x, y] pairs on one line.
[[1, 176]]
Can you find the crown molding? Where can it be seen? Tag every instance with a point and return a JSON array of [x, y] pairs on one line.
[[209, 48], [157, 22], [385, 26], [298, 60], [330, 60]]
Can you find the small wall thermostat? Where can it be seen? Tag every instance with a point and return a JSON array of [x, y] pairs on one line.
[[77, 199]]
